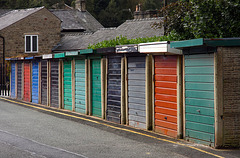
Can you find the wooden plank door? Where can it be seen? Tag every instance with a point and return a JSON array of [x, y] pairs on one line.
[[165, 95], [44, 85], [27, 81], [199, 98], [19, 81], [54, 88], [35, 81], [13, 78], [96, 100], [67, 84], [136, 92], [80, 86], [114, 89]]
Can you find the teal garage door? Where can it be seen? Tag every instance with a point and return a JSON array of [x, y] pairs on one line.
[[80, 93], [67, 77], [199, 98], [96, 87]]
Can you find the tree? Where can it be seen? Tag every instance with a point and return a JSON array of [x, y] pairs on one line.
[[202, 19], [109, 17]]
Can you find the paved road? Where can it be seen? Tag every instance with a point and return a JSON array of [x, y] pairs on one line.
[[28, 132]]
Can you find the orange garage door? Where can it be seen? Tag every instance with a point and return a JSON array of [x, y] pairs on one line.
[[166, 95], [27, 81]]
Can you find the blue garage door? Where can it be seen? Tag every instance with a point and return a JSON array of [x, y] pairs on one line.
[[13, 69], [35, 81]]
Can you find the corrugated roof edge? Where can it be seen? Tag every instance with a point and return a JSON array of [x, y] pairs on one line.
[[59, 55], [131, 48], [213, 42], [29, 58], [87, 51], [160, 47]]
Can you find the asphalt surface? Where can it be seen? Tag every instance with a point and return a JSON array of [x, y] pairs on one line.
[[36, 133]]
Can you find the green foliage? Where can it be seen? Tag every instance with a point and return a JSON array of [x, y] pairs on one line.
[[202, 19], [122, 40], [214, 18]]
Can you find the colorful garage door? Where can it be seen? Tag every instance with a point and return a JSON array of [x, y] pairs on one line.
[[199, 95], [54, 88], [96, 87], [35, 83], [80, 87], [114, 89], [44, 85], [27, 82], [136, 92], [166, 95], [67, 77], [19, 80], [13, 78]]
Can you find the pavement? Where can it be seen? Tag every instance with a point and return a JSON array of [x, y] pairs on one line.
[[34, 131]]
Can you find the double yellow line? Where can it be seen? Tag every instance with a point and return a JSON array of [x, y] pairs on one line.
[[123, 129]]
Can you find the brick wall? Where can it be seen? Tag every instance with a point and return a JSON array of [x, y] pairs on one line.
[[42, 23], [231, 95]]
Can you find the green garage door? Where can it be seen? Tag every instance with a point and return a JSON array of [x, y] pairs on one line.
[[199, 98], [80, 93], [96, 87], [67, 85]]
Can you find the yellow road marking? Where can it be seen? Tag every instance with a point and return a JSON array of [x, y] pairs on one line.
[[127, 130]]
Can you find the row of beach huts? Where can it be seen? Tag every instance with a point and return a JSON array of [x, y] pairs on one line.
[[185, 89]]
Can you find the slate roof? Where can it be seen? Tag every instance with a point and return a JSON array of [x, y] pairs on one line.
[[77, 20], [4, 11], [131, 29], [13, 16]]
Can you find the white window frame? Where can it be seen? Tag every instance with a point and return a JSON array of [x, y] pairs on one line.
[[31, 46]]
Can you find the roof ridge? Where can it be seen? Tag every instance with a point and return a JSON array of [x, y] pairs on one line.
[[78, 34], [26, 9], [108, 28], [145, 19]]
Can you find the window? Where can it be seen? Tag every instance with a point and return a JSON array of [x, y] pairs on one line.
[[31, 43]]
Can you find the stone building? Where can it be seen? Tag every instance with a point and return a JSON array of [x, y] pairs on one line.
[[29, 32]]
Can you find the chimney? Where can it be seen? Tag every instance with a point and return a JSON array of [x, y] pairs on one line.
[[80, 5], [136, 8], [138, 14]]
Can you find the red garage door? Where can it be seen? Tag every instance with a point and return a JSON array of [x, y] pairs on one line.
[[166, 95], [27, 82]]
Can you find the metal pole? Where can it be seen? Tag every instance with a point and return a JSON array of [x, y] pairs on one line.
[[3, 64]]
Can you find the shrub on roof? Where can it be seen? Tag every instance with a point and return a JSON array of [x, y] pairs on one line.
[[123, 40]]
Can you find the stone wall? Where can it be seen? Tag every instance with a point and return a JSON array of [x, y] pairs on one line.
[[231, 95]]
